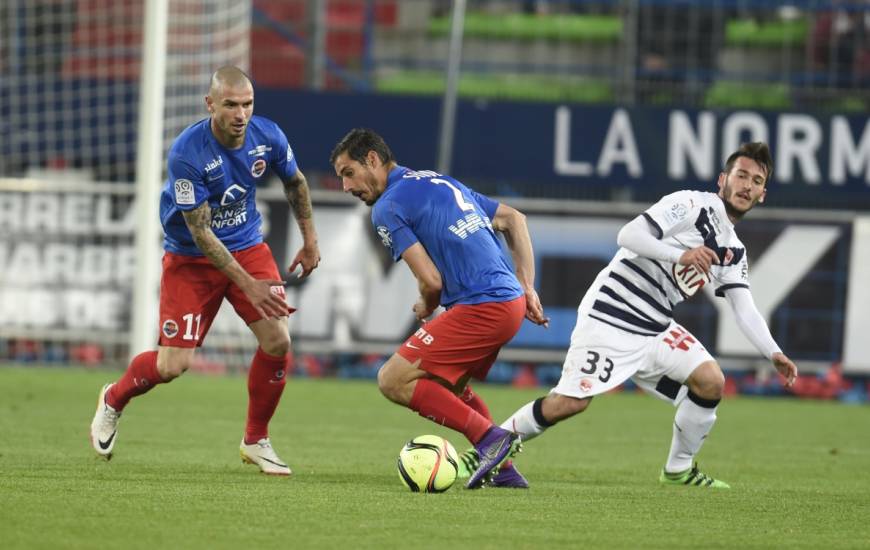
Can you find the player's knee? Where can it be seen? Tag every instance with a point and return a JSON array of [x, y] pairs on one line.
[[708, 381], [174, 367], [387, 383], [278, 346]]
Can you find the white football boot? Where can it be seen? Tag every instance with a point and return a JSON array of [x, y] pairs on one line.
[[104, 427], [262, 455]]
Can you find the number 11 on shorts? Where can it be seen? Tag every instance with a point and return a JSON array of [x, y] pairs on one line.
[[189, 319]]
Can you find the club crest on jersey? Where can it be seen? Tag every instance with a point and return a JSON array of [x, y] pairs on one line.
[[258, 168], [232, 194], [689, 279], [170, 328], [184, 192], [385, 236]]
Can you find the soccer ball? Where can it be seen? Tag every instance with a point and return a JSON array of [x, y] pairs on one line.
[[428, 464]]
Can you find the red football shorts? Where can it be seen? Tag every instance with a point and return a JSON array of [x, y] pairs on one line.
[[192, 289], [465, 339]]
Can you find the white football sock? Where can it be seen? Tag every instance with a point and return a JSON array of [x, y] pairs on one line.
[[692, 423], [523, 422]]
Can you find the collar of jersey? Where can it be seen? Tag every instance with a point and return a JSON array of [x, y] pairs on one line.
[[395, 175]]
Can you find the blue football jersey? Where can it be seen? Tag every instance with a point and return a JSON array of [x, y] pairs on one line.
[[452, 222], [201, 169]]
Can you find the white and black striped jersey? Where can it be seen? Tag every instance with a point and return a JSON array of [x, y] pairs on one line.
[[637, 294]]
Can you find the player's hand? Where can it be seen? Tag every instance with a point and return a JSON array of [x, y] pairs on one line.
[[785, 367], [701, 258], [534, 309], [266, 301], [308, 257], [421, 310]]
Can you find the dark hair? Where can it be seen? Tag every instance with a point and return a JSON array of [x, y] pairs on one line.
[[757, 151], [357, 144]]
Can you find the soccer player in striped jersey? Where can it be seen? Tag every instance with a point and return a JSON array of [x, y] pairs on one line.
[[215, 250], [625, 327], [446, 233]]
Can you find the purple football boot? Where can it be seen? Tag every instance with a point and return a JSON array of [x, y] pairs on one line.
[[509, 477], [495, 447]]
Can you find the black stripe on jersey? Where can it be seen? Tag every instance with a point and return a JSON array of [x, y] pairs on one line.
[[606, 322], [654, 225], [640, 271], [609, 291], [627, 317], [670, 279], [720, 292], [641, 294]]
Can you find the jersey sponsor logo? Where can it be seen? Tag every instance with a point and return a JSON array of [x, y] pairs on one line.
[[170, 328], [679, 338], [258, 168], [184, 192], [689, 279], [469, 225], [233, 193], [213, 164], [385, 236], [259, 150]]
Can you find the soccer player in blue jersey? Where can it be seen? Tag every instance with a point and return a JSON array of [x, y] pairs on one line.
[[446, 233], [215, 250], [625, 326]]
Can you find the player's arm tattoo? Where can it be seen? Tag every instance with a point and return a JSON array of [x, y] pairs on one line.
[[298, 195], [198, 222]]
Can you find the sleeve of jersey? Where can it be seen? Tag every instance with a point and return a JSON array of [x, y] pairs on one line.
[[391, 223], [283, 159], [637, 236], [750, 321], [488, 205], [672, 214], [189, 190], [736, 276]]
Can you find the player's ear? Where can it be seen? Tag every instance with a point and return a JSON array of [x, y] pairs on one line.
[[763, 196], [209, 104]]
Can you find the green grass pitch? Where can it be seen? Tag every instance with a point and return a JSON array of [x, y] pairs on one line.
[[800, 473]]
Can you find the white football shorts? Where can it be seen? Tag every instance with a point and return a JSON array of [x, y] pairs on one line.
[[602, 357]]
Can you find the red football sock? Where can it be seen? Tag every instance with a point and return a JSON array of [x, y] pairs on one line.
[[140, 377], [435, 402], [266, 381], [475, 402]]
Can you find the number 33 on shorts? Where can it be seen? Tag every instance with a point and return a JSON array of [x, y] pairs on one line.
[[587, 373]]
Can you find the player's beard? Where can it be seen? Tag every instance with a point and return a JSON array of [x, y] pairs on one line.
[[734, 212]]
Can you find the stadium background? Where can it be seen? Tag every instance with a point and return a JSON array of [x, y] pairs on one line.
[[580, 113]]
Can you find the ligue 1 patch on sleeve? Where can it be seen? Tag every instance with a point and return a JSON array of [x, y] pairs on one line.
[[289, 154], [385, 236], [184, 192], [676, 214]]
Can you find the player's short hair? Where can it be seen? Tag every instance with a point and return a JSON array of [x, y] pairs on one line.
[[357, 144], [757, 151], [228, 75]]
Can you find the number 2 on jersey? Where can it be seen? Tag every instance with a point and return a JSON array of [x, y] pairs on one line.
[[457, 194]]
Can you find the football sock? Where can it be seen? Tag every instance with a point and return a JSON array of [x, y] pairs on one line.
[[139, 378], [693, 421], [266, 380], [475, 402], [433, 401], [528, 421]]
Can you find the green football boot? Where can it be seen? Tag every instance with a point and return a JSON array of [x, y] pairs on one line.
[[468, 463], [692, 477]]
